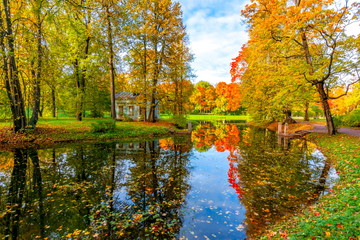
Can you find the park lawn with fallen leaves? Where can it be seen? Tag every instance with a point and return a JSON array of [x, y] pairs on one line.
[[65, 130], [337, 214]]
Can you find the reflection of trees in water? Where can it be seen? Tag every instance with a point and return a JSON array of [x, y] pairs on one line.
[[15, 195], [272, 178], [224, 137], [72, 192], [42, 197], [276, 182], [157, 188], [20, 196]]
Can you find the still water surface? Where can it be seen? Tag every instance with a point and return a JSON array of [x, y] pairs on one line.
[[222, 182]]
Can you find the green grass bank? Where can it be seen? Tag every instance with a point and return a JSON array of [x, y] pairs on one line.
[[337, 214], [67, 130]]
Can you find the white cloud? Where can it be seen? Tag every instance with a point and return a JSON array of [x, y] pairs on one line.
[[216, 35]]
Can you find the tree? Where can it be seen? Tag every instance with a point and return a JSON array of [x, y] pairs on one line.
[[112, 14], [204, 97], [37, 6], [308, 39], [156, 38], [175, 97], [228, 97], [10, 68]]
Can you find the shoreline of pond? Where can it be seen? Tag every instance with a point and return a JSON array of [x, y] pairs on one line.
[[335, 215], [47, 136]]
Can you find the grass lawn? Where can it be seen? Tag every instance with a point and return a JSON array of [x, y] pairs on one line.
[[337, 214], [51, 130]]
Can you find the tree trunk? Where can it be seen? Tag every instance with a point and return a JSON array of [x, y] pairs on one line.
[[320, 88], [181, 105], [79, 91], [53, 102], [36, 91], [80, 83], [111, 63], [288, 118], [152, 106], [324, 100], [145, 78], [306, 110], [177, 99], [11, 76]]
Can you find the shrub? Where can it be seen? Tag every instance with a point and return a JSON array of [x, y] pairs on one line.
[[337, 122], [180, 121], [103, 126], [126, 118], [96, 114], [350, 120]]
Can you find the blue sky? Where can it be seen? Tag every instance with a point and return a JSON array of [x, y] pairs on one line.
[[216, 35]]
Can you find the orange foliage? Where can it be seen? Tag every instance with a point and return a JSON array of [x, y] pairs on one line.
[[231, 92], [224, 138], [238, 65]]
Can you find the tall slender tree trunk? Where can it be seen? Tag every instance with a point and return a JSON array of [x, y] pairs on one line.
[[79, 91], [181, 105], [176, 97], [145, 79], [11, 75], [53, 102], [111, 63], [81, 82], [153, 103], [36, 91]]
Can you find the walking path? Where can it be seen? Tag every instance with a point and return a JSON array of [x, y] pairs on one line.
[[322, 128]]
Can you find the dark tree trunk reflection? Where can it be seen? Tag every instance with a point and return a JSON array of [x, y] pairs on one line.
[[38, 189], [16, 194]]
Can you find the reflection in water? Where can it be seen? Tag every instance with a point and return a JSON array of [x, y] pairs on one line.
[[277, 181], [103, 191], [162, 189], [271, 180]]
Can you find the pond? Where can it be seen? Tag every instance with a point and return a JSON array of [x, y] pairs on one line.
[[225, 181]]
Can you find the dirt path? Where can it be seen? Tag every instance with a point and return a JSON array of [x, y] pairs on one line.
[[323, 129]]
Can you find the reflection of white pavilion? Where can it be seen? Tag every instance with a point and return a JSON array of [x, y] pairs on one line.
[[126, 152]]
